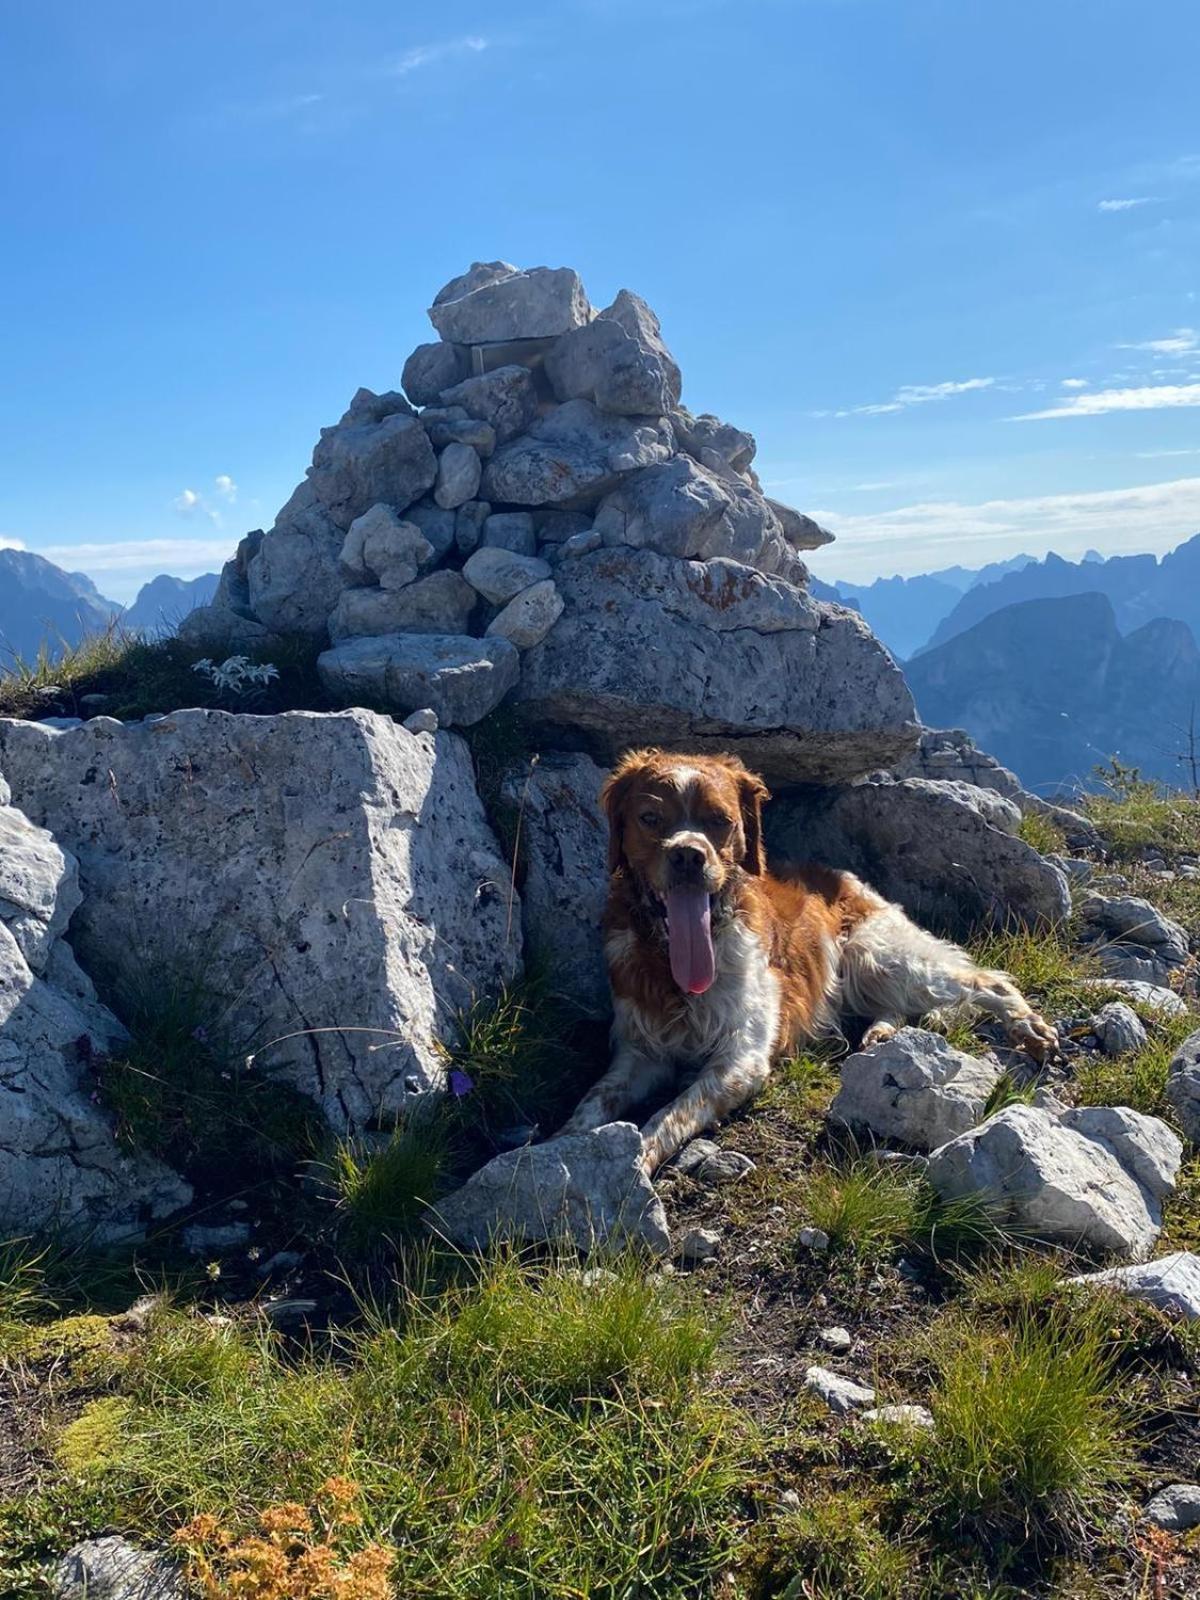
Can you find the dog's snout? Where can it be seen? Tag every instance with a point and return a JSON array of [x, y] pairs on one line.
[[687, 860]]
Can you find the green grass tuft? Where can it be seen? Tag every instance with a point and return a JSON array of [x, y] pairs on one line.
[[1138, 1079], [1136, 814], [1046, 966], [873, 1209], [1046, 837], [379, 1191], [1031, 1436]]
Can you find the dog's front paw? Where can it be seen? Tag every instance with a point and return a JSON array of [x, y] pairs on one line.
[[878, 1032], [1035, 1036]]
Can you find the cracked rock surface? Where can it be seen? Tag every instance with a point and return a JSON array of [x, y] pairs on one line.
[[324, 871], [60, 1164]]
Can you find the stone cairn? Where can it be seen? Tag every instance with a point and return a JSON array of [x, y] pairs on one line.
[[538, 517]]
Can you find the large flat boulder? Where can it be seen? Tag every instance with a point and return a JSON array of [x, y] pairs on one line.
[[934, 847], [572, 457], [318, 872], [715, 656], [60, 1165]]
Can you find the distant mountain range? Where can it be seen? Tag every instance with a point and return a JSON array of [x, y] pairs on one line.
[[917, 613], [43, 607], [1053, 688]]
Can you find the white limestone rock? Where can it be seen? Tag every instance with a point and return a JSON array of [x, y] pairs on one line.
[[588, 1188], [529, 616], [573, 456], [60, 1164], [1066, 1184], [458, 472], [382, 548], [458, 677], [330, 871], [499, 574], [1170, 1283], [110, 1568], [1183, 1086], [564, 847], [913, 1088], [441, 603], [714, 656]]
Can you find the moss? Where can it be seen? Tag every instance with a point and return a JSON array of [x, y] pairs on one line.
[[92, 1443]]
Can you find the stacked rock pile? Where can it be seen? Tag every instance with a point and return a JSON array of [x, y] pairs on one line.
[[538, 516]]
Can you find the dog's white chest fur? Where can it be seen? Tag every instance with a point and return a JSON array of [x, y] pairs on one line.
[[739, 1012]]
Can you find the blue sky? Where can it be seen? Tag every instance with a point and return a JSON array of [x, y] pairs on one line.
[[942, 257]]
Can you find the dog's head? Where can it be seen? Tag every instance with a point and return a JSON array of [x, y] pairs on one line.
[[683, 828]]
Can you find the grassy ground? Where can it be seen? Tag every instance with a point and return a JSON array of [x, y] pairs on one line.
[[336, 1408]]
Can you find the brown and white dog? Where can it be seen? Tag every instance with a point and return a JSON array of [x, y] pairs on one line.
[[719, 968]]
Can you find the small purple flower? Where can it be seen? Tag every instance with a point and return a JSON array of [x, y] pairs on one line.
[[460, 1084], [200, 1035]]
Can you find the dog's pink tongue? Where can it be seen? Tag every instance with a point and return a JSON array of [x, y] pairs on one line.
[[689, 934]]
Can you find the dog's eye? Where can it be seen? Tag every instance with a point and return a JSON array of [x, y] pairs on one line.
[[650, 819], [718, 824]]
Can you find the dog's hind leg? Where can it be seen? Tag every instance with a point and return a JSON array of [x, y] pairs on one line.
[[890, 968]]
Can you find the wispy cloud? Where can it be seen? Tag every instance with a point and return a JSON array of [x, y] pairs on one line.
[[1074, 383], [1158, 455], [10, 544], [425, 55], [194, 503], [1180, 342], [916, 537], [1129, 205], [913, 394], [184, 557], [1156, 397]]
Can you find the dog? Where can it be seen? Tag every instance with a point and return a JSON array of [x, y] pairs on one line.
[[719, 968]]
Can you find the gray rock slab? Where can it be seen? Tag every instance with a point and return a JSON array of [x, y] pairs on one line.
[[564, 841], [1050, 1181], [458, 677], [1171, 1283], [931, 846], [694, 656], [505, 398], [588, 1188], [442, 603], [110, 1568], [432, 368], [529, 616], [536, 304], [573, 456], [458, 472]]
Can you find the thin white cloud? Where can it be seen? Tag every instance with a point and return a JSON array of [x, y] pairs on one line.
[[1181, 342], [7, 543], [1074, 383], [914, 394], [1158, 397], [1128, 205], [183, 557], [424, 55], [186, 502], [919, 537], [225, 487]]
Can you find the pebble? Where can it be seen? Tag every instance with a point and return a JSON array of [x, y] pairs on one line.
[[813, 1238], [837, 1339], [906, 1416], [423, 721], [199, 1238], [839, 1394], [701, 1244], [1175, 1508]]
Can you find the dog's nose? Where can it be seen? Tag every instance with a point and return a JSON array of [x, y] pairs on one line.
[[687, 860]]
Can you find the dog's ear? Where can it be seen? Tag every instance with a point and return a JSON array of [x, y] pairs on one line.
[[753, 791], [613, 797]]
